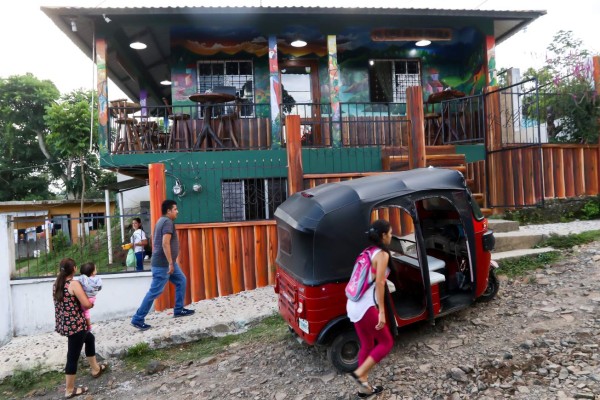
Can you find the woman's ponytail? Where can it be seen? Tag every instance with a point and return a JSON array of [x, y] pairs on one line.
[[66, 268]]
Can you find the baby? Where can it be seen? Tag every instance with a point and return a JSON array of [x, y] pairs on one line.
[[91, 284]]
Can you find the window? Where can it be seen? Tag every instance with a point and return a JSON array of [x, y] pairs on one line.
[[252, 199], [388, 79], [238, 74], [94, 220]]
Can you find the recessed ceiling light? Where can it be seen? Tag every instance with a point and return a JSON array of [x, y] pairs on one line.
[[424, 42], [138, 45], [298, 43], [166, 82]]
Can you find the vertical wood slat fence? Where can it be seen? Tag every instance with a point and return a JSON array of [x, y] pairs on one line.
[[220, 259]]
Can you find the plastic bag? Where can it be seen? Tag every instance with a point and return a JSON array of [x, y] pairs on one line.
[[130, 261]]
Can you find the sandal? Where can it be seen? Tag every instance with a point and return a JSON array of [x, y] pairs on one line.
[[78, 391], [103, 368], [375, 390]]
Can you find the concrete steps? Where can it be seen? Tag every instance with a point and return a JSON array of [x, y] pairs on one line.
[[510, 243]]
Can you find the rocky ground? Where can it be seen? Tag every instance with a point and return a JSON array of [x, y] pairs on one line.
[[539, 339]]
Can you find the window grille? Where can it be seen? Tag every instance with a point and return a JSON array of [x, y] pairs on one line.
[[252, 199], [236, 73], [388, 79]]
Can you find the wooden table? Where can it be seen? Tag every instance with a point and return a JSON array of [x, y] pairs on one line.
[[443, 97], [208, 100]]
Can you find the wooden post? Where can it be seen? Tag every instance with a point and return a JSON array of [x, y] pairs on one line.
[[596, 62], [294, 154], [493, 141], [416, 134], [102, 88], [158, 194]]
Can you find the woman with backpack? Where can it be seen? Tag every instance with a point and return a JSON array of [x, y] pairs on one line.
[[368, 312], [139, 241]]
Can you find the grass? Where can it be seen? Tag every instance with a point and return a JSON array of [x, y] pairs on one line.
[[270, 330], [520, 266], [25, 381], [568, 241]]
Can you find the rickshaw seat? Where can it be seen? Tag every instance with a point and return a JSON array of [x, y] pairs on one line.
[[434, 263], [436, 277]]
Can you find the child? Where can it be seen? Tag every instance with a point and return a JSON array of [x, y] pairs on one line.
[[91, 284], [139, 241]]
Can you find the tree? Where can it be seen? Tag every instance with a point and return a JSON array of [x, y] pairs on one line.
[[67, 146], [567, 101], [23, 168]]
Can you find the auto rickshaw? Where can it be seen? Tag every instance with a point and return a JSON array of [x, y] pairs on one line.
[[441, 253]]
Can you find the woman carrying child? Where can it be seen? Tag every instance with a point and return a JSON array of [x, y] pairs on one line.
[[91, 284]]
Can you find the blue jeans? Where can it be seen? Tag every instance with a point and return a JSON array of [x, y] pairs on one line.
[[139, 260], [160, 277]]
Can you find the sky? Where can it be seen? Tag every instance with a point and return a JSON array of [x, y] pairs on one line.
[[42, 49]]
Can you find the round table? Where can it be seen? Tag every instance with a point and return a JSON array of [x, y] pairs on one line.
[[208, 100]]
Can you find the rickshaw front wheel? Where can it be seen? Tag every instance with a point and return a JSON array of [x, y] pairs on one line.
[[492, 287], [343, 351]]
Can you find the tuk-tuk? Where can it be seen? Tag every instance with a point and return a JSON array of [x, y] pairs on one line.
[[441, 253]]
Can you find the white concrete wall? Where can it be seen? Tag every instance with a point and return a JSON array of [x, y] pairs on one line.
[[33, 308], [7, 260], [132, 198]]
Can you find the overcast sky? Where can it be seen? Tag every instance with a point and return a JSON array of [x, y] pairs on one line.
[[42, 49]]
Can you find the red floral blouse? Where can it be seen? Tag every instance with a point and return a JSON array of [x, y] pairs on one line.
[[68, 314]]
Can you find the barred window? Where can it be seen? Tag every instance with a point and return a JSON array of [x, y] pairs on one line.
[[233, 73], [388, 79], [94, 220], [252, 199]]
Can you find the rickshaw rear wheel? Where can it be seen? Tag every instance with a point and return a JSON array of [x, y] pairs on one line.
[[492, 287], [343, 351]]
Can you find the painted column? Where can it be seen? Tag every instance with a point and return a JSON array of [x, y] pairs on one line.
[[7, 262], [275, 86], [490, 48], [334, 92], [294, 154], [596, 63], [416, 138], [102, 90]]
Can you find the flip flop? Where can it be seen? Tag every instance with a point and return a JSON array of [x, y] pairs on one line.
[[103, 368], [78, 391]]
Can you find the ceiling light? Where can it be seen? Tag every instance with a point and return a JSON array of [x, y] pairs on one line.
[[166, 82], [138, 45], [371, 62], [423, 42], [73, 26], [298, 43]]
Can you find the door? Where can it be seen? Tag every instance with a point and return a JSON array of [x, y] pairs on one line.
[[301, 96]]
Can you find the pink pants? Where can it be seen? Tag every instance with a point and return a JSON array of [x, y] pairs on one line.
[[86, 311], [373, 342]]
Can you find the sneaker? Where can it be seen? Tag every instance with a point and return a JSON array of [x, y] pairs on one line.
[[141, 325], [183, 313]]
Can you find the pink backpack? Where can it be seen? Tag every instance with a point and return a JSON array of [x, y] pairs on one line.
[[359, 280]]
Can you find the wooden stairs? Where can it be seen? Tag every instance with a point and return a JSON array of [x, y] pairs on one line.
[[440, 157]]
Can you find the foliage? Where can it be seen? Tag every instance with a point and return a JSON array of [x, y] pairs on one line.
[[568, 103], [270, 330], [138, 350], [60, 242], [69, 142], [568, 241], [559, 210], [23, 167], [519, 266]]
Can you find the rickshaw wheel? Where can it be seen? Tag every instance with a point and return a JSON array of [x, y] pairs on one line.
[[492, 287], [343, 352]]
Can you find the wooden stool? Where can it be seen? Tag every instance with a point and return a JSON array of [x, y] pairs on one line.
[[180, 135], [127, 134], [226, 130], [432, 128]]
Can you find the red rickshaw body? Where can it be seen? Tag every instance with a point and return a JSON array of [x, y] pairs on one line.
[[441, 265]]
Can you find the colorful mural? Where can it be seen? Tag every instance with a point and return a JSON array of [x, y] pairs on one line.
[[275, 93], [459, 63], [334, 91], [102, 89], [490, 45]]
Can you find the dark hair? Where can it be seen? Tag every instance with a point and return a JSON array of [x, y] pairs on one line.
[[87, 269], [376, 231], [66, 268], [139, 221], [167, 205]]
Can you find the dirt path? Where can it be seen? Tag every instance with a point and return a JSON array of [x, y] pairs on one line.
[[538, 340]]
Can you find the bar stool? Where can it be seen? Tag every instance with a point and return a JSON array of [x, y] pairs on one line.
[[227, 121], [127, 134], [179, 132]]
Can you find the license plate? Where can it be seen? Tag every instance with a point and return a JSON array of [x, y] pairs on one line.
[[303, 325]]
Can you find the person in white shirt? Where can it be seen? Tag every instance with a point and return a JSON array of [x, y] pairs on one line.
[[368, 313], [139, 241]]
